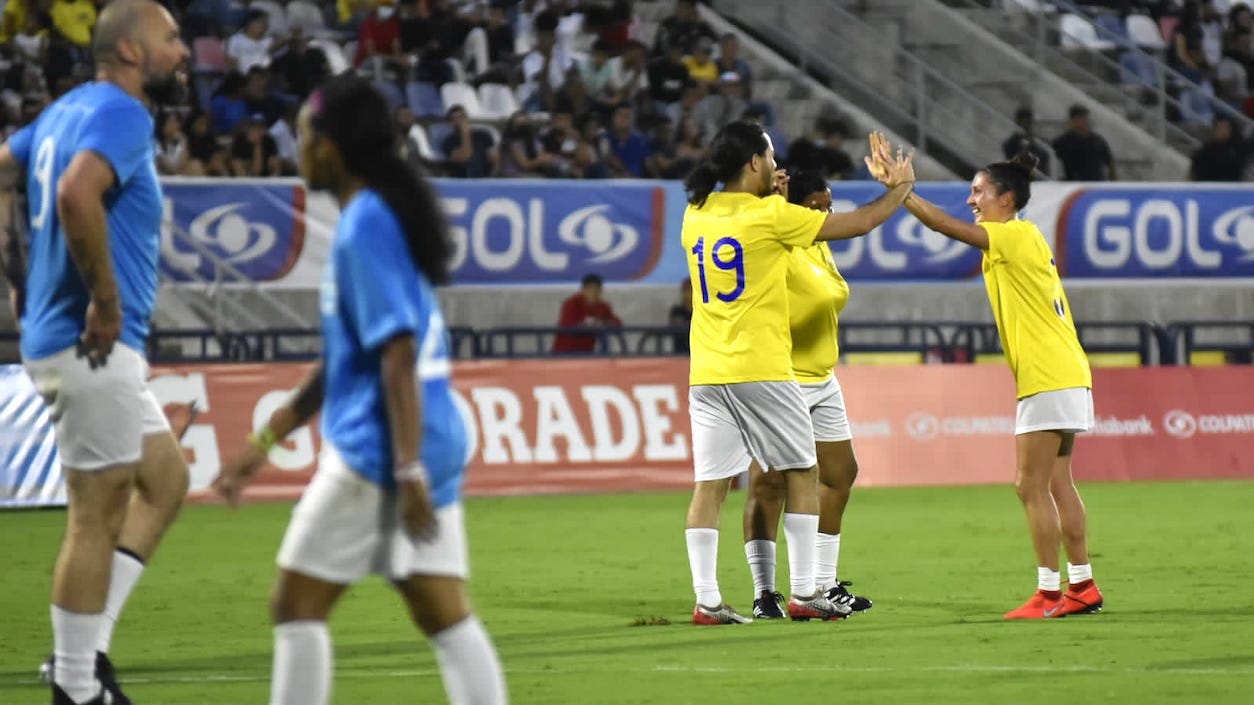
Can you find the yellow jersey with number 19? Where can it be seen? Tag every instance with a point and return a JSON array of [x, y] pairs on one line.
[[737, 246], [816, 295], [1031, 309]]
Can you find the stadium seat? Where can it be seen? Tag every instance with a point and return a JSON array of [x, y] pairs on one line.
[[883, 359], [456, 69], [438, 132], [1144, 33], [475, 51], [1114, 359], [419, 135], [1208, 358], [1075, 32], [279, 26], [1109, 27], [210, 55], [391, 92], [1137, 70], [497, 100], [334, 53], [1167, 26], [307, 16], [462, 94], [990, 359], [1037, 6], [424, 99]]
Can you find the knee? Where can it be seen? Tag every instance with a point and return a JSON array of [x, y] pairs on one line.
[[841, 478], [1029, 487]]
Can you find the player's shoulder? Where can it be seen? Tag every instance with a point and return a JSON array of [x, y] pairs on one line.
[[369, 219]]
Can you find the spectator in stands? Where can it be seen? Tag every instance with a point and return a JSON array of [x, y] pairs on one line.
[[1026, 138], [669, 79], [545, 69], [301, 68], [663, 149], [681, 29], [283, 132], [591, 157], [628, 148], [500, 38], [687, 105], [1238, 56], [700, 64], [725, 105], [629, 74], [559, 141], [469, 153], [227, 104], [406, 145], [351, 13], [31, 42], [1084, 154], [74, 19], [1186, 55], [258, 98], [585, 309], [822, 151], [207, 157], [171, 149], [252, 45], [681, 316], [759, 114], [729, 60], [520, 153], [253, 151], [595, 73], [1223, 157], [1212, 33], [379, 36]]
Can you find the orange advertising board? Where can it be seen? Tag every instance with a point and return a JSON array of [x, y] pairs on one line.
[[606, 425]]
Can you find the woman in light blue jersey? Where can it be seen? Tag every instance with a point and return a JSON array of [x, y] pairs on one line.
[[386, 496]]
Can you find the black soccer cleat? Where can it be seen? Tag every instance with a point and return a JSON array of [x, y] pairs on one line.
[[104, 673], [769, 605], [840, 596]]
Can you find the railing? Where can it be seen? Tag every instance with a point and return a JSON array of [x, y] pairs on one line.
[[969, 341], [1226, 341]]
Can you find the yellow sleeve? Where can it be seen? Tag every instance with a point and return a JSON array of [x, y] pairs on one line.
[[796, 226], [1003, 241]]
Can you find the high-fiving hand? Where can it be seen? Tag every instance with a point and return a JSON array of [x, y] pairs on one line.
[[888, 169]]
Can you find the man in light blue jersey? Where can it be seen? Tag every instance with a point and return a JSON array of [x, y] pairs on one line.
[[94, 205], [387, 494]]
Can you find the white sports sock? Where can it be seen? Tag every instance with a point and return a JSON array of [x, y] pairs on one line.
[[703, 560], [74, 645], [826, 556], [1079, 573], [1048, 580], [761, 556], [302, 664], [469, 665], [801, 531], [126, 571]]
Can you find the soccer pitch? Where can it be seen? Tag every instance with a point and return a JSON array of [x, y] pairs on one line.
[[562, 582]]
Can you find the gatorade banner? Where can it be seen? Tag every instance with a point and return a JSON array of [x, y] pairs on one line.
[[606, 425]]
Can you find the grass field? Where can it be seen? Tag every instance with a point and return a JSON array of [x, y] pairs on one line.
[[559, 581]]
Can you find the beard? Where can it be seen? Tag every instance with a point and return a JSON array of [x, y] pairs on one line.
[[170, 90]]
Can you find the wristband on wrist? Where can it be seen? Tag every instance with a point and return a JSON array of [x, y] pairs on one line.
[[263, 440], [413, 471]]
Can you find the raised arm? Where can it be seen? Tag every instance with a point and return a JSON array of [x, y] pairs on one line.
[[898, 176]]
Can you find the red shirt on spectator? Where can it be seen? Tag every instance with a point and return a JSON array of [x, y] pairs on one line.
[[578, 311], [378, 35]]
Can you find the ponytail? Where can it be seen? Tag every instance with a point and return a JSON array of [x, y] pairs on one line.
[[733, 147], [418, 209]]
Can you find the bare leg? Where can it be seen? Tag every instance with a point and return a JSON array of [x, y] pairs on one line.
[[160, 488], [1036, 454], [838, 468], [1071, 512], [764, 503]]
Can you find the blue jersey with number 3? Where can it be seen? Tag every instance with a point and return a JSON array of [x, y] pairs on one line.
[[371, 293], [104, 119]]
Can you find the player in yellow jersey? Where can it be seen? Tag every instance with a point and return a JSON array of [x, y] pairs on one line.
[[744, 401], [816, 295], [1051, 371]]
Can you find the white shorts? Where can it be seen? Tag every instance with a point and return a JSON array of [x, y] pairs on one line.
[[733, 423], [345, 526], [1064, 410], [101, 416], [827, 411]]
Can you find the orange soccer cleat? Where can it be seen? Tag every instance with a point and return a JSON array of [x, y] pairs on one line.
[[1082, 598], [1041, 605]]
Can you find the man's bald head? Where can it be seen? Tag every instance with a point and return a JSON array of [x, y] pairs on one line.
[[120, 19]]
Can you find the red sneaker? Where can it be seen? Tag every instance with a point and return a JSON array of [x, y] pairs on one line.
[[1087, 600], [1039, 606]]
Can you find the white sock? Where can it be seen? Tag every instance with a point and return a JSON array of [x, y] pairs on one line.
[[302, 664], [74, 645], [703, 560], [761, 556], [1079, 573], [126, 571], [826, 556], [469, 665], [1048, 580], [801, 531]]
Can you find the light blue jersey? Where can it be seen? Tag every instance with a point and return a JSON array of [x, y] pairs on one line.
[[104, 119], [372, 292]]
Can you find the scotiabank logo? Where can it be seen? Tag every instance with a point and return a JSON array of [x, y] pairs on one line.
[[1183, 424], [1147, 232]]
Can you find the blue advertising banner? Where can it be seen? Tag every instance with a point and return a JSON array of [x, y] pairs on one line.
[[901, 248], [257, 228], [30, 474], [530, 232], [1157, 231]]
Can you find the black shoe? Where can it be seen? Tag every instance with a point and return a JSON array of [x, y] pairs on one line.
[[104, 673], [840, 596], [59, 697], [769, 605]]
